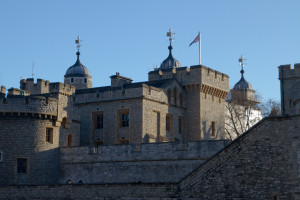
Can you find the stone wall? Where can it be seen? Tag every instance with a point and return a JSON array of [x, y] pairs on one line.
[[133, 191], [262, 163], [154, 162]]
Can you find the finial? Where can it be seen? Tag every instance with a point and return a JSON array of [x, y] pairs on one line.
[[241, 61], [169, 34], [77, 43]]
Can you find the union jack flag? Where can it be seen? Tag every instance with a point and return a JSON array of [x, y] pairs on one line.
[[196, 39]]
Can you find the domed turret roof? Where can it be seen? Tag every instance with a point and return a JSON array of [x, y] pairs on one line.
[[170, 62], [78, 69], [242, 84]]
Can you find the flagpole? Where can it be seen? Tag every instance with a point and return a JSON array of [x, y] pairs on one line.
[[199, 48]]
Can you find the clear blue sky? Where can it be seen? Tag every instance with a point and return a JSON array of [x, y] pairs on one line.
[[130, 37]]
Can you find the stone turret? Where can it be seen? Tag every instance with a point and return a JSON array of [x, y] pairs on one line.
[[290, 89]]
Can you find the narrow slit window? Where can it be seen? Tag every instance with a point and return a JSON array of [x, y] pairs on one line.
[[49, 135]]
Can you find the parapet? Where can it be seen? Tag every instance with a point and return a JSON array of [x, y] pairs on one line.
[[197, 74], [15, 91], [286, 71], [61, 88], [40, 87], [44, 87], [28, 104]]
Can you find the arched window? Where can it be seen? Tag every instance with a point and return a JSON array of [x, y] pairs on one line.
[[69, 140], [169, 96], [175, 95], [181, 99], [64, 121]]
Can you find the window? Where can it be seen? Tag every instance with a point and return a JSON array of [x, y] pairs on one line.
[[85, 80], [64, 122], [169, 96], [22, 165], [125, 119], [175, 96], [181, 99], [26, 101], [168, 123], [49, 135], [72, 80], [179, 125], [69, 140], [99, 121], [213, 129]]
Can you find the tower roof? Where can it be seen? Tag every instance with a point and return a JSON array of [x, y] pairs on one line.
[[78, 69], [170, 61], [242, 84]]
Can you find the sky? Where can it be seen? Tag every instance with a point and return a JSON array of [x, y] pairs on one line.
[[129, 37]]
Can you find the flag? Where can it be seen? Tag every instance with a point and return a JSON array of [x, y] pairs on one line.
[[196, 39]]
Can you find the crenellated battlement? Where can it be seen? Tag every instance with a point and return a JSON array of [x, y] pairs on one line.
[[286, 71], [40, 87], [198, 74], [61, 88], [28, 104]]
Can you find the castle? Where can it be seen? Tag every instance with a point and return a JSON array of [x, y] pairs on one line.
[[162, 138]]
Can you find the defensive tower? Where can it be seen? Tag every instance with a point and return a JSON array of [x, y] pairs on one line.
[[290, 89]]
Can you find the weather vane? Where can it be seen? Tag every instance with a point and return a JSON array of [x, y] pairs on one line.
[[241, 61], [77, 43], [169, 34]]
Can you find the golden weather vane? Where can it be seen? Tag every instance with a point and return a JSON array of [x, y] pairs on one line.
[[169, 35], [242, 61], [78, 43]]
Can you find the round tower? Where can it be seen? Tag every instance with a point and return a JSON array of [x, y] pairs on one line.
[[78, 75]]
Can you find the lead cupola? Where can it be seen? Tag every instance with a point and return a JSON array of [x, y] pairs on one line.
[[78, 75], [170, 62]]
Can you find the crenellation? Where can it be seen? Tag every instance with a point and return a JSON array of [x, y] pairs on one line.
[[61, 88], [40, 87]]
